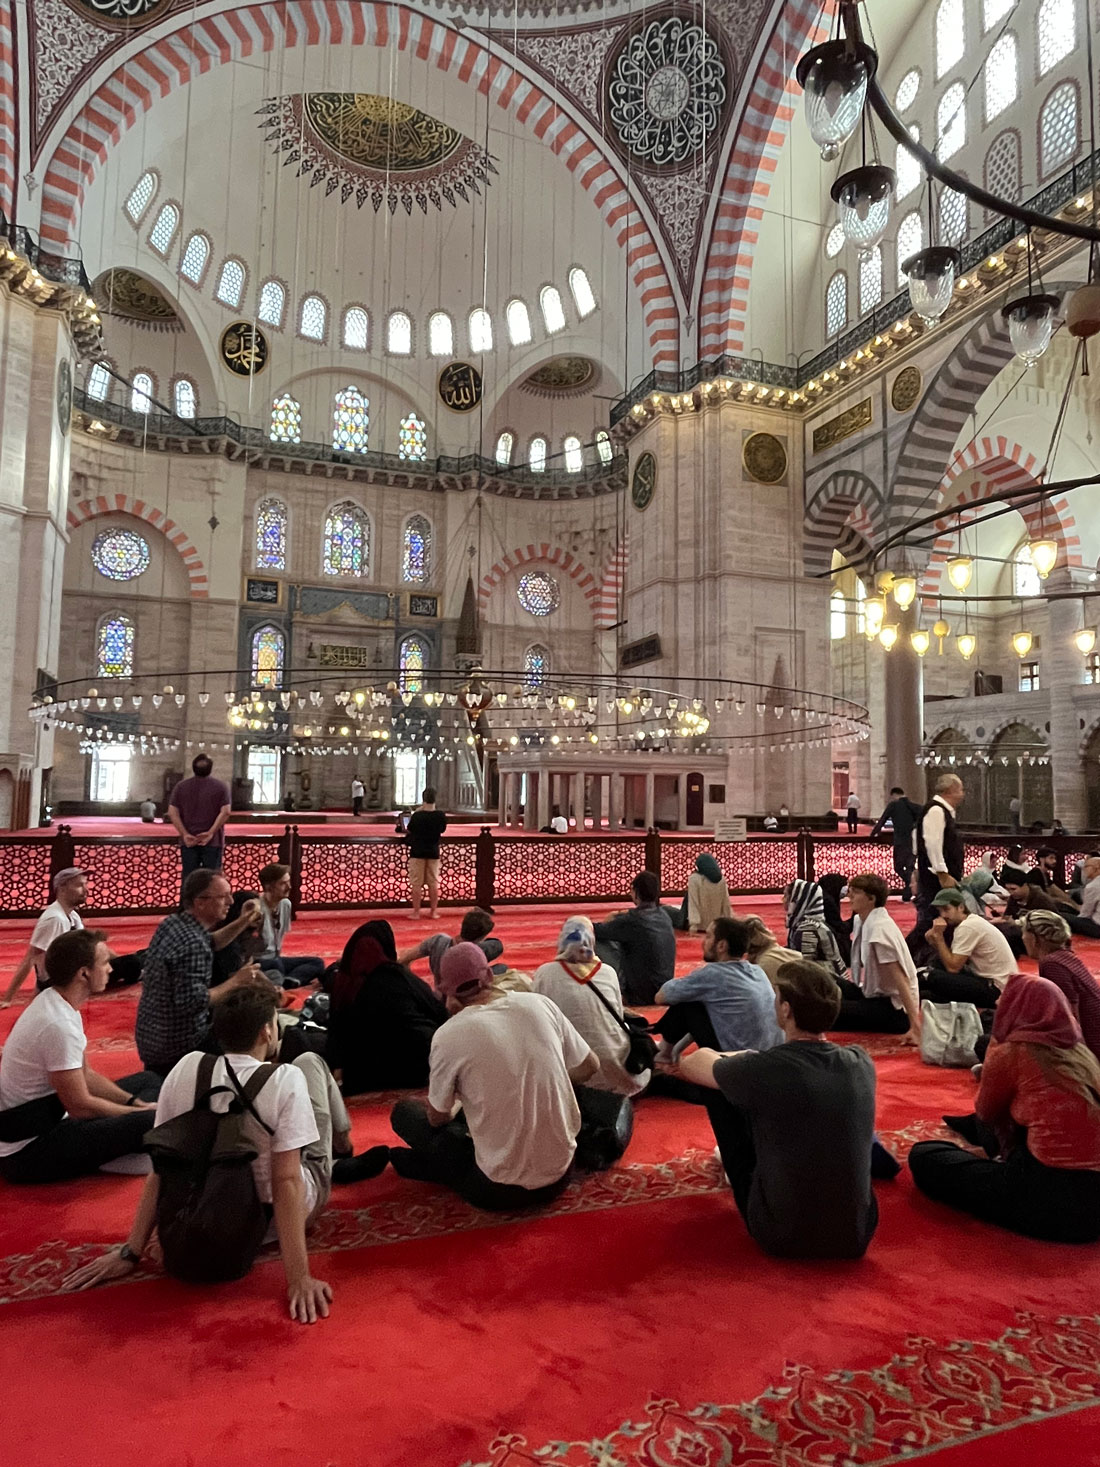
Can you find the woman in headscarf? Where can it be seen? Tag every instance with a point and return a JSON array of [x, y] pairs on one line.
[[707, 895], [382, 1017], [808, 933], [1046, 937], [833, 887], [764, 949], [1040, 1096]]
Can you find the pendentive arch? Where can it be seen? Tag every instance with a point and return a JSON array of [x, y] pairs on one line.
[[175, 58], [846, 494], [89, 509]]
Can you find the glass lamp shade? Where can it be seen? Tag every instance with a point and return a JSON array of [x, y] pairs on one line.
[[1044, 554], [1085, 640], [931, 275], [834, 78], [967, 644], [1030, 323], [904, 591], [1083, 311], [1022, 642], [920, 641], [864, 198], [889, 635], [874, 614], [959, 571]]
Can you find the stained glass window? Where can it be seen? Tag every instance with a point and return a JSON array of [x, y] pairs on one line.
[[954, 217], [906, 93], [114, 650], [537, 455], [1057, 32], [441, 334], [412, 660], [583, 298], [603, 446], [271, 525], [141, 196], [195, 255], [185, 398], [231, 284], [417, 552], [553, 312], [519, 323], [870, 280], [120, 555], [163, 231], [399, 334], [350, 421], [906, 167], [286, 420], [506, 441], [272, 303], [141, 393], [412, 439], [313, 318], [950, 35], [538, 593], [347, 541], [1001, 74], [951, 122], [536, 664], [356, 328], [481, 330], [910, 241], [836, 304], [99, 381], [1058, 128], [268, 657], [574, 454]]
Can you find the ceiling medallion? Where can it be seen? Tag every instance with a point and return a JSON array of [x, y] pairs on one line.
[[562, 377], [764, 457], [460, 387], [906, 389], [244, 349], [374, 148], [644, 482], [118, 13], [667, 92], [130, 297]]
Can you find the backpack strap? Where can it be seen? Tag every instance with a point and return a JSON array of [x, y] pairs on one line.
[[204, 1081], [247, 1094]]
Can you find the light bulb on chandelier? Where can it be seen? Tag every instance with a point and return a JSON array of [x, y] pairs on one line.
[[960, 571], [920, 641], [904, 591], [874, 613], [1044, 555], [1022, 642], [889, 635], [967, 644], [1085, 640]]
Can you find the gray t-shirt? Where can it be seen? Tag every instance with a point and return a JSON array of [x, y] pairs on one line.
[[811, 1108]]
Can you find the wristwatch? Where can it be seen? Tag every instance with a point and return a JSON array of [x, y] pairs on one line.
[[127, 1254]]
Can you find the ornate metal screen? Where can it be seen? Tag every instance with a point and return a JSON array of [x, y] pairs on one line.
[[24, 876], [560, 868], [128, 877], [760, 865], [850, 855], [351, 872], [245, 857]]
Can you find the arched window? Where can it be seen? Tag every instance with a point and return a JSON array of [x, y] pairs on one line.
[[1057, 27], [870, 280], [536, 665], [603, 446], [164, 229], [910, 240], [186, 399], [142, 389], [412, 659], [481, 330], [519, 323], [574, 454], [861, 607], [951, 122], [995, 10], [271, 528], [1002, 169], [230, 287], [99, 381], [906, 93], [441, 335], [906, 167], [1025, 578], [836, 304], [416, 550], [350, 421], [1058, 134], [553, 312], [838, 616], [954, 217], [272, 307], [356, 328], [313, 318], [347, 541], [286, 420], [141, 196], [581, 289], [506, 441], [399, 334], [412, 439], [114, 646], [1001, 74], [195, 255], [834, 241], [950, 35], [536, 456], [268, 657]]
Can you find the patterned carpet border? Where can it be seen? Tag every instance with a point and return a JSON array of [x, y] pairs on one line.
[[935, 1395]]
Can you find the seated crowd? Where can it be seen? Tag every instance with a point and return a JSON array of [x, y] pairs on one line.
[[530, 1078]]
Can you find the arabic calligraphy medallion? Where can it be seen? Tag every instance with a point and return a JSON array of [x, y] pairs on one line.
[[244, 349], [460, 387]]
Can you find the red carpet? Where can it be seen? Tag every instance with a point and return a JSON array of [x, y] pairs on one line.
[[632, 1324]]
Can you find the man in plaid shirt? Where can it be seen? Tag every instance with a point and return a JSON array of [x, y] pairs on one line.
[[173, 1016]]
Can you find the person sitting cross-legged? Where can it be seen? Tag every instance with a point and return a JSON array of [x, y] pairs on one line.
[[299, 1121], [476, 926], [1087, 921], [1047, 939], [764, 948], [501, 1119], [726, 1004], [277, 914], [640, 944], [979, 962], [58, 1117], [795, 1126], [1040, 1097], [882, 996]]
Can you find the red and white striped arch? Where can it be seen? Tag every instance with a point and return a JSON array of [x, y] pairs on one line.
[[90, 509], [612, 583], [8, 110], [174, 59], [542, 554]]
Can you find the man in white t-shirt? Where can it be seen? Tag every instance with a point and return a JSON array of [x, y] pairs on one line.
[[293, 1167], [510, 1062], [882, 997], [58, 1117], [358, 793], [70, 890], [979, 962]]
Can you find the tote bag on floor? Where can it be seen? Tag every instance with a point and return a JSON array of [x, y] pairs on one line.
[[949, 1032]]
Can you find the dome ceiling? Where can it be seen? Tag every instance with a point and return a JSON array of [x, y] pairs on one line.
[[563, 377], [130, 297]]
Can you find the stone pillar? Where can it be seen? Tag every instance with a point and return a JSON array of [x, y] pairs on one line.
[[597, 801], [904, 713], [545, 783], [615, 801], [578, 799], [1061, 672], [682, 801], [502, 797], [530, 804], [649, 799]]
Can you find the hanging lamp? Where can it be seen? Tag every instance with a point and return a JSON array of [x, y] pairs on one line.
[[931, 274], [889, 635], [1085, 640], [834, 79], [904, 591], [1044, 555], [920, 641]]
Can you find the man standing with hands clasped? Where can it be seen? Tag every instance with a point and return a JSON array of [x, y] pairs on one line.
[[422, 835], [940, 853], [199, 807]]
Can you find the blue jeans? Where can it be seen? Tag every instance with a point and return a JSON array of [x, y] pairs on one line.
[[196, 858]]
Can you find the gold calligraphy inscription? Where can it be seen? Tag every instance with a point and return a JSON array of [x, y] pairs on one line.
[[377, 132], [244, 349], [332, 654], [843, 426], [906, 389], [460, 387], [764, 458]]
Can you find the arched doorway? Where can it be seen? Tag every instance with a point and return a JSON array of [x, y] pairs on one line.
[[951, 752], [1015, 771]]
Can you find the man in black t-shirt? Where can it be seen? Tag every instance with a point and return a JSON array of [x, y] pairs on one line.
[[794, 1126], [425, 827]]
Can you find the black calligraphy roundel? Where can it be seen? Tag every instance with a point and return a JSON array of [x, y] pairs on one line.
[[460, 387], [244, 349]]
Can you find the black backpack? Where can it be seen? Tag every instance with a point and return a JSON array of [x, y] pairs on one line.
[[210, 1219]]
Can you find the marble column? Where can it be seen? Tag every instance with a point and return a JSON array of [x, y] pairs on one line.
[[533, 783], [543, 805], [597, 801], [502, 797], [681, 801], [578, 799], [1061, 670], [904, 712], [650, 801], [615, 801]]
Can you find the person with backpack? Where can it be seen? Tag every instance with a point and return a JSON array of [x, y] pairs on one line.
[[242, 1154]]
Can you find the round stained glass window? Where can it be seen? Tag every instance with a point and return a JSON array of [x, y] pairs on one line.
[[120, 555], [538, 593]]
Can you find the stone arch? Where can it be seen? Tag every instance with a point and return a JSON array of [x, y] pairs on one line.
[[829, 510], [1032, 783], [612, 583], [545, 554], [175, 58], [88, 509], [8, 111]]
